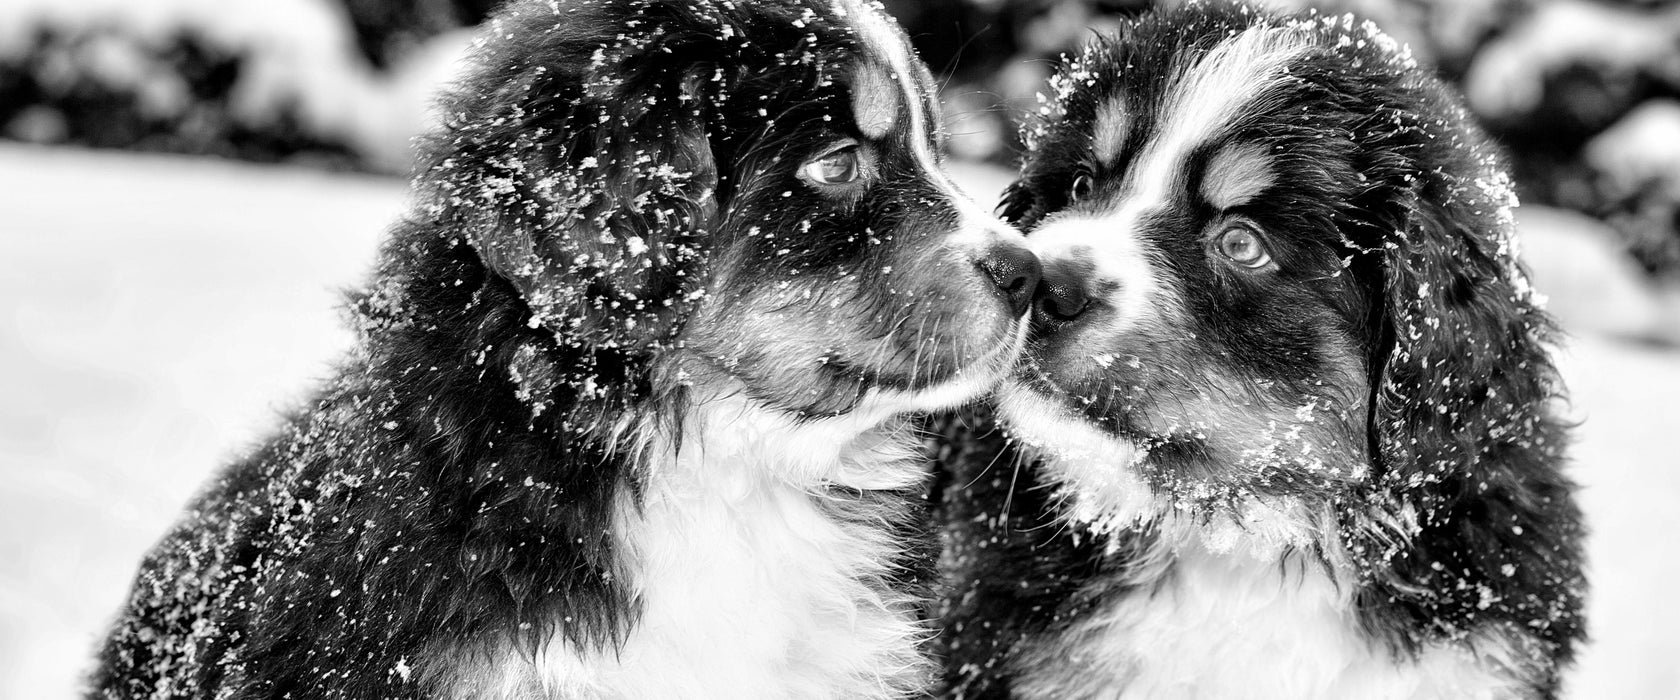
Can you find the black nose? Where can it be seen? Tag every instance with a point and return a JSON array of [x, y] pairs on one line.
[[1014, 271], [1061, 296]]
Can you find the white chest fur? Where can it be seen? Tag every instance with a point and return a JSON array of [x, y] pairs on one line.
[[748, 584], [1235, 623], [760, 594]]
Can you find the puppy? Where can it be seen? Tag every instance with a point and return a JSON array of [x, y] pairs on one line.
[[1287, 425], [628, 417]]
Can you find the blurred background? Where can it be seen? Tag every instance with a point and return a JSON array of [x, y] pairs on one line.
[[186, 185]]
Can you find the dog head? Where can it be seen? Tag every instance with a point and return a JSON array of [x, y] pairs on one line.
[[742, 196], [1278, 262]]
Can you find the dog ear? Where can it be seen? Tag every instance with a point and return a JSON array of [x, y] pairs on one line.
[[587, 180], [1472, 511], [1463, 376], [601, 241]]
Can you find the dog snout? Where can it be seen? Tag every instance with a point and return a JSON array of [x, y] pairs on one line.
[[1061, 296], [1014, 271]]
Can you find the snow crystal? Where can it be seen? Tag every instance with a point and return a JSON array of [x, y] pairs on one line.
[[535, 378]]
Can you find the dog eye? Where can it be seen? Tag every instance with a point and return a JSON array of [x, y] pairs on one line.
[[838, 167], [1082, 184], [1241, 244]]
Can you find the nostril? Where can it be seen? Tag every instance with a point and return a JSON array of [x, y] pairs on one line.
[[1061, 294], [1062, 301], [1015, 271]]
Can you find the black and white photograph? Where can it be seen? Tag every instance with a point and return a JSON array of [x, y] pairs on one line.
[[839, 349]]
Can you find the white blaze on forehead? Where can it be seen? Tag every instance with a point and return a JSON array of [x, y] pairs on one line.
[[1237, 174], [874, 100], [1205, 98], [1108, 134]]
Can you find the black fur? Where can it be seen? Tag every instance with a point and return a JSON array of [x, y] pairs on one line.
[[1386, 218], [1012, 572], [599, 226]]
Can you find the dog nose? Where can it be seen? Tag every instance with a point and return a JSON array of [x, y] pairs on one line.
[[1061, 294], [1014, 270]]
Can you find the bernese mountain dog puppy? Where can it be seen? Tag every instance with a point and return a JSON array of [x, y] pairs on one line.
[[630, 411], [1287, 427]]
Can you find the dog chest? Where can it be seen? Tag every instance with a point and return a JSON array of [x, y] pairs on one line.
[[1231, 625], [762, 595], [750, 579]]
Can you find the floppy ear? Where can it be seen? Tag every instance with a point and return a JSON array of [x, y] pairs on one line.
[[1465, 379], [587, 181], [1470, 518], [599, 235]]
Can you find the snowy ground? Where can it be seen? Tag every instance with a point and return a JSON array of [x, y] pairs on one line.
[[156, 314]]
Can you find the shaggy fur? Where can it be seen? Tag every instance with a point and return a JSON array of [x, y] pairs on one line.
[[1288, 425], [627, 415]]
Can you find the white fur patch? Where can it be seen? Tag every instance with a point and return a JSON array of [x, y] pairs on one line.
[[1237, 174], [1220, 613], [1096, 471]]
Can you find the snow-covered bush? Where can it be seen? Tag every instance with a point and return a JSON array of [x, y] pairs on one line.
[[1583, 94], [252, 79]]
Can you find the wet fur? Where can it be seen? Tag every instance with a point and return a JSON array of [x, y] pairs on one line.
[[613, 312], [1452, 543]]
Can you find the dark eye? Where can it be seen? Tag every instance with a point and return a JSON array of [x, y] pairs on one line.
[[1241, 244], [837, 167], [1082, 184]]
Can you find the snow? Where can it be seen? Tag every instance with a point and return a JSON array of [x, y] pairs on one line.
[[1593, 285], [1626, 464], [156, 313]]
